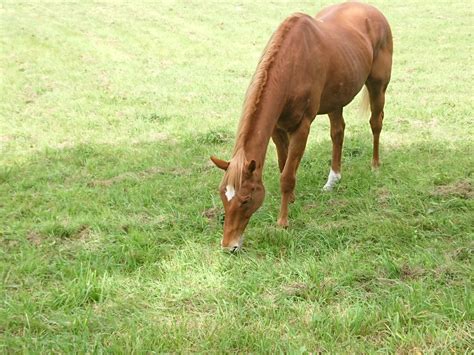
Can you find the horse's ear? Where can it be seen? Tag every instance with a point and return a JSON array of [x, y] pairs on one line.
[[252, 166], [221, 164]]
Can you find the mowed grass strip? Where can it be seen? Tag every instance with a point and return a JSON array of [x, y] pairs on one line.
[[110, 220]]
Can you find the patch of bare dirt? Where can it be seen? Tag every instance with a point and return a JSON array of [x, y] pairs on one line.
[[410, 273], [459, 188], [211, 213], [383, 196], [34, 238], [296, 289], [8, 242], [214, 215], [446, 274], [83, 233], [309, 206], [463, 253], [335, 203], [5, 139]]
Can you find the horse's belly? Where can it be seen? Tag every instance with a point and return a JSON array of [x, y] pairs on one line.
[[347, 70], [338, 95]]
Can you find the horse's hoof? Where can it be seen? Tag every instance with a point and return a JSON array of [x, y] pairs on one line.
[[283, 223], [333, 179], [327, 188]]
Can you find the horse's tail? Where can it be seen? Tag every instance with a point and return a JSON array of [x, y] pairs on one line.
[[364, 102]]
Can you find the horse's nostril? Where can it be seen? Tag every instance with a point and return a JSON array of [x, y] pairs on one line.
[[232, 247]]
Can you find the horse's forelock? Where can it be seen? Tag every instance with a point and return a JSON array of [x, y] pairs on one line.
[[234, 173]]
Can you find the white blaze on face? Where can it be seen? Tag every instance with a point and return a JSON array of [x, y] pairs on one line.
[[229, 192], [333, 178]]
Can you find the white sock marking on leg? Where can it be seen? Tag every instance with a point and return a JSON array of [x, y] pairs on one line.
[[333, 178]]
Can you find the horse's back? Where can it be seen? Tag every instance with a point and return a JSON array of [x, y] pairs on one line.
[[364, 18], [357, 36], [325, 60]]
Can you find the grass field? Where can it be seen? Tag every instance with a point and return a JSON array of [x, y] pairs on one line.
[[110, 221]]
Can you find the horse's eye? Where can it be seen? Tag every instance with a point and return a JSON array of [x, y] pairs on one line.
[[245, 201]]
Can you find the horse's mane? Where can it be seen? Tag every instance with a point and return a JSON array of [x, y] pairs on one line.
[[233, 174], [253, 97], [255, 90]]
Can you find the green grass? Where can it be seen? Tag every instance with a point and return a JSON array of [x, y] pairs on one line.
[[110, 220]]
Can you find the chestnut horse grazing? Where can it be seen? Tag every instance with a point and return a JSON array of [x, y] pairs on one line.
[[310, 66]]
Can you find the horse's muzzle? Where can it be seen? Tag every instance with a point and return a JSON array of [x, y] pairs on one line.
[[233, 246]]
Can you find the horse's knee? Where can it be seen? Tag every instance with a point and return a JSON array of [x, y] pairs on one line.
[[287, 184], [337, 133]]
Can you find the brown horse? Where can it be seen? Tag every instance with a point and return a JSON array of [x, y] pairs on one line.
[[310, 66]]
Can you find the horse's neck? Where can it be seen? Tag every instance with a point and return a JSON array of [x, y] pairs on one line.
[[255, 135]]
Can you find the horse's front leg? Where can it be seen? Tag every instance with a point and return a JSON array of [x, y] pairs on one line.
[[297, 145], [337, 137]]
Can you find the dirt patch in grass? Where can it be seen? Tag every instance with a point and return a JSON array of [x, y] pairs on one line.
[[383, 196], [338, 203], [448, 275], [410, 273], [214, 215], [5, 139], [295, 289], [83, 232], [63, 231], [66, 231], [463, 253], [9, 242], [34, 238], [211, 213], [459, 188]]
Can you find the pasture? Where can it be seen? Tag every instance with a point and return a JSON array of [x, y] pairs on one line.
[[110, 220]]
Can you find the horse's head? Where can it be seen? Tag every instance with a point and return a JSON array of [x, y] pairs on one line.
[[242, 193]]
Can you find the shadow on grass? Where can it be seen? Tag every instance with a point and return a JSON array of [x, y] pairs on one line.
[[141, 223], [140, 202]]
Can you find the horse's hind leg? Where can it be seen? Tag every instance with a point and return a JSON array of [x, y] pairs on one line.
[[377, 85], [377, 101], [337, 136]]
